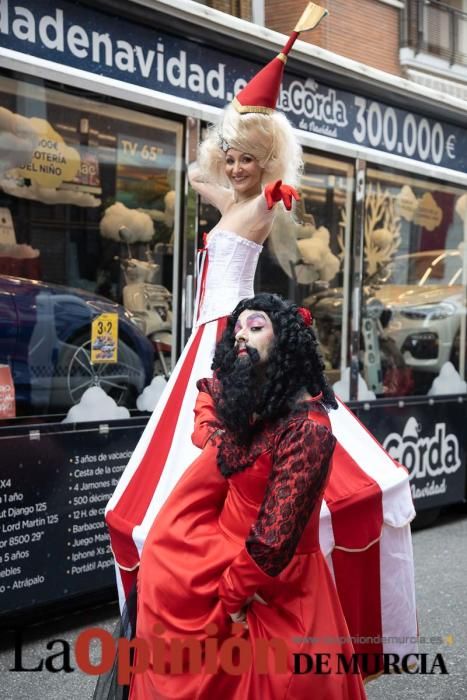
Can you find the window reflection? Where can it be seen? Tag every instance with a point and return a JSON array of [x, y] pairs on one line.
[[305, 256], [89, 199], [414, 266]]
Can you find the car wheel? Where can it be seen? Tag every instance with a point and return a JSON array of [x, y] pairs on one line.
[[120, 380]]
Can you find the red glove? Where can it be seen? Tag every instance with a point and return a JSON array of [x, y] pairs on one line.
[[275, 191]]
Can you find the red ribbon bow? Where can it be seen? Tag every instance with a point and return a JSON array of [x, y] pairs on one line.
[[306, 315]]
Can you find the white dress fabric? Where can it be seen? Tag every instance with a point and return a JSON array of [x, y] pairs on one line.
[[364, 524], [232, 262]]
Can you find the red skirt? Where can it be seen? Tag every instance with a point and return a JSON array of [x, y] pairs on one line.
[[185, 554]]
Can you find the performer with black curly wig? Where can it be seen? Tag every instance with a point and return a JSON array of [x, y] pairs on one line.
[[294, 362], [237, 540]]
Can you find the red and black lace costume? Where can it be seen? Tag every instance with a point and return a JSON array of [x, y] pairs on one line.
[[300, 447], [245, 520]]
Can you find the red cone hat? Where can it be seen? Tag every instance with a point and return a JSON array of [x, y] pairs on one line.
[[262, 92]]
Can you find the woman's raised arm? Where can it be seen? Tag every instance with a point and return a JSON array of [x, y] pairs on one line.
[[216, 195]]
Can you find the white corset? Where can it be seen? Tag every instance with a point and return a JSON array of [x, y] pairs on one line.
[[230, 275]]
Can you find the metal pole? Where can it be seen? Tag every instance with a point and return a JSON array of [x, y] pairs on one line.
[[357, 275], [257, 12], [462, 331], [346, 286]]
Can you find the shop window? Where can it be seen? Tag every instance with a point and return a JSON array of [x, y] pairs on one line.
[[415, 284], [89, 199], [304, 258]]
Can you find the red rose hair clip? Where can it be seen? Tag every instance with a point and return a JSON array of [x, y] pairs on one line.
[[306, 315]]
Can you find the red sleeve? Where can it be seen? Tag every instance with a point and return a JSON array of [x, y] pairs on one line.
[[206, 421], [300, 468]]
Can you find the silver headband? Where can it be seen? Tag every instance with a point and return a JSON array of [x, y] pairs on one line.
[[223, 144]]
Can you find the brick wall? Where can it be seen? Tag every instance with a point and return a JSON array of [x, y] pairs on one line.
[[364, 30]]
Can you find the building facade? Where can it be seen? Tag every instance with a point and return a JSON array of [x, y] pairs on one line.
[[423, 41]]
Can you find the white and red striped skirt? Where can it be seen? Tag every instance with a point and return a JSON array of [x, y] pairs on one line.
[[364, 525]]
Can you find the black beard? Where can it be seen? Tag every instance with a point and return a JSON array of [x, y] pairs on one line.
[[238, 396]]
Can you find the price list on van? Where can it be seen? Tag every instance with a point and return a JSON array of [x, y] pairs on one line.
[[53, 491]]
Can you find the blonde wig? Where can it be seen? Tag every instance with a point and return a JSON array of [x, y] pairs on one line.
[[270, 138]]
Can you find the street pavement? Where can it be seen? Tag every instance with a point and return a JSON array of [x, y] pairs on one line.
[[441, 567], [440, 575]]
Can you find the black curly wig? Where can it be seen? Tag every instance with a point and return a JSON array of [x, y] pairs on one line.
[[294, 365]]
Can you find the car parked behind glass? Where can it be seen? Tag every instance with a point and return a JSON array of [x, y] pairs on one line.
[[45, 338], [419, 299], [426, 297]]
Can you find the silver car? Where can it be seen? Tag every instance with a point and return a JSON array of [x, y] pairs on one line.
[[426, 297], [415, 313]]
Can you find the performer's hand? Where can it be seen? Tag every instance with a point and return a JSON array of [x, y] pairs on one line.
[[215, 437], [276, 191], [240, 615]]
